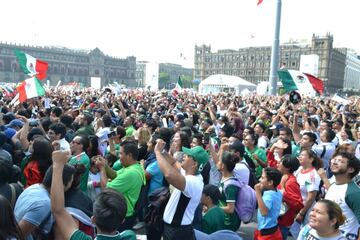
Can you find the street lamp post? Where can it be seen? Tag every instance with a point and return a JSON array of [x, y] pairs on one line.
[[275, 52]]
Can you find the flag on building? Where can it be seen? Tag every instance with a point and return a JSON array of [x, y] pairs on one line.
[[304, 83], [178, 87], [30, 88], [31, 65]]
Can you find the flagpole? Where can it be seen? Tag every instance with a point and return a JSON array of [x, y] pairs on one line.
[[275, 52]]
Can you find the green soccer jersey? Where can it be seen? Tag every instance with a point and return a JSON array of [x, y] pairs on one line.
[[213, 220], [83, 159], [129, 181], [229, 195]]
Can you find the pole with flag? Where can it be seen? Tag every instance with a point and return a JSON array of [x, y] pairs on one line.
[[275, 52], [32, 66], [30, 88], [178, 87]]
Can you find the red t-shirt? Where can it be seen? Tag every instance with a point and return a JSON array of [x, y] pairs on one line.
[[292, 197], [32, 174]]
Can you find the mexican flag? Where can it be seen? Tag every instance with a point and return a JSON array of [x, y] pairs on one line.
[[178, 87], [305, 84], [30, 88], [31, 65]]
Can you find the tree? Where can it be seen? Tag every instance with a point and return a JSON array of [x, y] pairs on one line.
[[164, 79]]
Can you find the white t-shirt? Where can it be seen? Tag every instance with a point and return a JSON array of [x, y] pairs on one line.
[[329, 151], [347, 196], [308, 180], [64, 145], [182, 205], [241, 172], [263, 142], [102, 135]]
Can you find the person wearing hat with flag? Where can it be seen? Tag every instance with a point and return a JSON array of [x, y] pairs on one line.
[[188, 184]]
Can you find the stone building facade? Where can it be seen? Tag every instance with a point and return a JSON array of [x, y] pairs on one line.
[[67, 65], [253, 63]]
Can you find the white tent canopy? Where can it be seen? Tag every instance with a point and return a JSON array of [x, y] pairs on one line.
[[224, 83]]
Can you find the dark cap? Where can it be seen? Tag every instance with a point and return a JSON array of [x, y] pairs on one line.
[[101, 111], [276, 126], [213, 192]]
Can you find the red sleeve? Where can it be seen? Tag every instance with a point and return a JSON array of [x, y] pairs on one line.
[[292, 195], [271, 159]]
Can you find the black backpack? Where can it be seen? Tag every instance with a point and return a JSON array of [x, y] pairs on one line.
[[252, 177], [157, 203]]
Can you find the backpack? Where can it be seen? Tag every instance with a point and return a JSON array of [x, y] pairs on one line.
[[246, 202], [157, 203], [252, 176]]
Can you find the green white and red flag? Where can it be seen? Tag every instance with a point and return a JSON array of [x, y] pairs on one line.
[[32, 66], [30, 88]]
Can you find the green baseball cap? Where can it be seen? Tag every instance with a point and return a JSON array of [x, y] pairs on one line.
[[198, 154]]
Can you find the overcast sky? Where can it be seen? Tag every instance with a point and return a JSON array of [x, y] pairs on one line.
[[162, 30]]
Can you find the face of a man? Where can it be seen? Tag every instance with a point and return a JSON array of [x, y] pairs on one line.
[[52, 136], [188, 162], [338, 165], [76, 146], [258, 130], [283, 135], [305, 142], [123, 157]]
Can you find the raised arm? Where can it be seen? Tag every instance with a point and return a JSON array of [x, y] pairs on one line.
[[169, 170], [63, 219]]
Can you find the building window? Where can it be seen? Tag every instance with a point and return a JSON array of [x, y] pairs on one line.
[[97, 72]]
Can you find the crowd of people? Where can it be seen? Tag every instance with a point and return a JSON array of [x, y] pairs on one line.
[[91, 164]]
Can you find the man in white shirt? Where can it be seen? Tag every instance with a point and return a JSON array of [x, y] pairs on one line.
[[241, 170], [57, 133], [326, 148], [346, 192], [188, 183]]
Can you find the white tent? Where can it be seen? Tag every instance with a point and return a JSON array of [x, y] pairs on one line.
[[225, 83]]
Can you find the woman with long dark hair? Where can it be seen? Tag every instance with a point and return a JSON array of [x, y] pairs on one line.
[[9, 230], [93, 149], [38, 162]]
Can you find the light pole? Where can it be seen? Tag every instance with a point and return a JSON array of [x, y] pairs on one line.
[[275, 52]]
